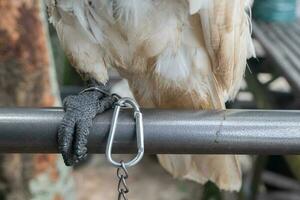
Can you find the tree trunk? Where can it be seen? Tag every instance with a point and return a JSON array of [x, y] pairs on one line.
[[27, 79]]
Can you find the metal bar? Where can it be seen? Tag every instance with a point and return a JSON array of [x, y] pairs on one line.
[[176, 132], [274, 49]]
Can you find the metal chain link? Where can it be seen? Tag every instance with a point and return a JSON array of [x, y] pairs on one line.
[[122, 174]]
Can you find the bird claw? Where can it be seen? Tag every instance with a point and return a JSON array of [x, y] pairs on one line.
[[80, 110]]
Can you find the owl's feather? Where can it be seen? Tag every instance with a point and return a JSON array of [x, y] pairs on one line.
[[174, 53]]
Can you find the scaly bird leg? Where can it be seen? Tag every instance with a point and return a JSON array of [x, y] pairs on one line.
[[80, 110]]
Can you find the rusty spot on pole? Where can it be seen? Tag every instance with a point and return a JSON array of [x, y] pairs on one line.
[[47, 163], [23, 55]]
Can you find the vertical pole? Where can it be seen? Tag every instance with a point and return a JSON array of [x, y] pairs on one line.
[[27, 79]]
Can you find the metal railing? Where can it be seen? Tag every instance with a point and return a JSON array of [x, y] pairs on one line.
[[24, 130]]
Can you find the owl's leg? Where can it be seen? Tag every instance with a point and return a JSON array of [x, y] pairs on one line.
[[80, 110]]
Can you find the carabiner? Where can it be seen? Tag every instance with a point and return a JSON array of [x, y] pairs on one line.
[[123, 103]]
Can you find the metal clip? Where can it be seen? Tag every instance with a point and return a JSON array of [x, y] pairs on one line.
[[125, 103]]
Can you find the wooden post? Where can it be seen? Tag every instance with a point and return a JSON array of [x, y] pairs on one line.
[[27, 78]]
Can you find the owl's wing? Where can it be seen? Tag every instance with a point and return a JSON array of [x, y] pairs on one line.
[[76, 26], [227, 33]]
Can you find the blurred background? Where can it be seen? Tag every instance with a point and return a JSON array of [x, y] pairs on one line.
[[34, 72]]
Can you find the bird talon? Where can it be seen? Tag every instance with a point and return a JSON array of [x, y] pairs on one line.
[[73, 132]]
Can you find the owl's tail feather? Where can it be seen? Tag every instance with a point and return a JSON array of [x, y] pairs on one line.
[[223, 170]]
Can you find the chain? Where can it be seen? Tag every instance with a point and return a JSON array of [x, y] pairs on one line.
[[122, 174]]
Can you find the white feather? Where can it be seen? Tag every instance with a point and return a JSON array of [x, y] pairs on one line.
[[196, 5], [174, 65], [133, 13]]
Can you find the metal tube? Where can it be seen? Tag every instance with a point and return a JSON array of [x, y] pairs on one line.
[[175, 132]]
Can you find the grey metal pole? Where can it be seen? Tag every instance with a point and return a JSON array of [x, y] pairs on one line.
[[176, 132]]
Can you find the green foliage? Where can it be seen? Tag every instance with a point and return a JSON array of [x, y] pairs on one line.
[[294, 164], [211, 192], [65, 72]]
